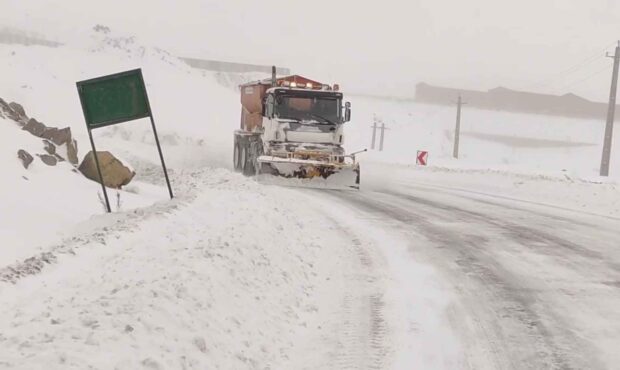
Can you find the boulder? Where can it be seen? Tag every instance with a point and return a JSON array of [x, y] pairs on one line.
[[25, 157], [49, 147], [49, 160], [4, 107], [8, 112], [34, 127], [72, 152], [57, 136], [19, 111], [115, 174]]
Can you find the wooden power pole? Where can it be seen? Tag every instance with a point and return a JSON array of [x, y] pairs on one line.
[[383, 128], [609, 127], [374, 135], [457, 130]]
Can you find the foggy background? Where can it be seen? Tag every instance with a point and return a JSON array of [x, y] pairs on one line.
[[378, 48]]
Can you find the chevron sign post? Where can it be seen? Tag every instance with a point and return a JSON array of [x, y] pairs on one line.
[[422, 158]]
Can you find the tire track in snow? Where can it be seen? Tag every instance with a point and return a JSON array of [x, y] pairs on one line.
[[363, 334], [503, 318]]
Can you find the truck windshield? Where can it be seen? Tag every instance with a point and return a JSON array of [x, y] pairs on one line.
[[325, 110]]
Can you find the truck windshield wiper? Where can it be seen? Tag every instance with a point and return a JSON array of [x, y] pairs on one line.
[[321, 117]]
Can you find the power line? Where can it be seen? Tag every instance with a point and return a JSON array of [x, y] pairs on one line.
[[583, 63], [575, 83]]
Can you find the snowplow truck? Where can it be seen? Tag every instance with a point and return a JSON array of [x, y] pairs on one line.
[[291, 133]]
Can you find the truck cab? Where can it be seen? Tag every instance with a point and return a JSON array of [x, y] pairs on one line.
[[294, 115], [292, 127]]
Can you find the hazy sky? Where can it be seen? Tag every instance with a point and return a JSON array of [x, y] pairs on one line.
[[373, 46]]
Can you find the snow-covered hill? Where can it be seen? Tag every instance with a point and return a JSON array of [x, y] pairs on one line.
[[524, 143], [195, 117]]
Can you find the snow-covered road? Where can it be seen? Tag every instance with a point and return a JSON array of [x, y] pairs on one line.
[[400, 275], [530, 286]]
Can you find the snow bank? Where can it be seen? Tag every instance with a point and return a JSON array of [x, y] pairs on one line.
[[181, 285], [40, 201]]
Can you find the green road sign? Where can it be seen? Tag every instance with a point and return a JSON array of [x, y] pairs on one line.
[[113, 99]]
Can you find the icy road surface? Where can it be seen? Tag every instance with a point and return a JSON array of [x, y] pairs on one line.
[[532, 286]]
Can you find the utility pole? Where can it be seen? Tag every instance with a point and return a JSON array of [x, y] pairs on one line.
[[609, 127], [383, 128], [457, 129], [374, 135]]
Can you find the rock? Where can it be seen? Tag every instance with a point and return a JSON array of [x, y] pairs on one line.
[[25, 157], [34, 127], [49, 160], [19, 111], [200, 343], [115, 173], [49, 147], [8, 112], [72, 152], [57, 136]]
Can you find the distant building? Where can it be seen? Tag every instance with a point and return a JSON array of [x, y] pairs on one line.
[[500, 98]]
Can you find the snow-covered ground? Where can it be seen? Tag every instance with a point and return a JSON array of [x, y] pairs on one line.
[[523, 143], [234, 274], [181, 285]]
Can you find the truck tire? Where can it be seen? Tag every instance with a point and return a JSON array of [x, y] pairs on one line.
[[243, 158], [237, 158], [248, 167]]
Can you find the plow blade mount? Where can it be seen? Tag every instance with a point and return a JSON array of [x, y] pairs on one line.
[[308, 173]]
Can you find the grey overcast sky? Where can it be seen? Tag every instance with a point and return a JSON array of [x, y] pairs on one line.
[[376, 47]]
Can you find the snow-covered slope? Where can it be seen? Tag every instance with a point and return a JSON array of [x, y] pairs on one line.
[[489, 139], [194, 115]]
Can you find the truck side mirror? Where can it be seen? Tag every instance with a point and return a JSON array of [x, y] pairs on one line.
[[268, 106], [347, 111]]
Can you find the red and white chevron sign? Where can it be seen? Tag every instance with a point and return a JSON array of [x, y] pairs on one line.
[[421, 158]]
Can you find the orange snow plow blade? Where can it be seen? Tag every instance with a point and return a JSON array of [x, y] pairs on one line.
[[308, 173]]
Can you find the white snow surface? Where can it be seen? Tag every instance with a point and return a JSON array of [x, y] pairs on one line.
[[180, 284], [233, 274]]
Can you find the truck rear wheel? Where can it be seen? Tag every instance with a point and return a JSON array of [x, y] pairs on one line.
[[248, 160], [247, 148], [237, 158], [243, 158]]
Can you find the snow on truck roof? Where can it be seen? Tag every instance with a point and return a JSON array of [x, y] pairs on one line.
[[291, 78]]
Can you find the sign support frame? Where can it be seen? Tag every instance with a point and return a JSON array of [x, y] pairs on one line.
[[93, 125], [161, 155], [105, 192]]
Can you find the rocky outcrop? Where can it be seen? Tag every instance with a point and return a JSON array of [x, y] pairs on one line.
[[13, 111], [58, 136], [25, 157], [49, 147], [53, 136], [19, 112], [115, 174], [35, 127], [72, 152], [49, 160]]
